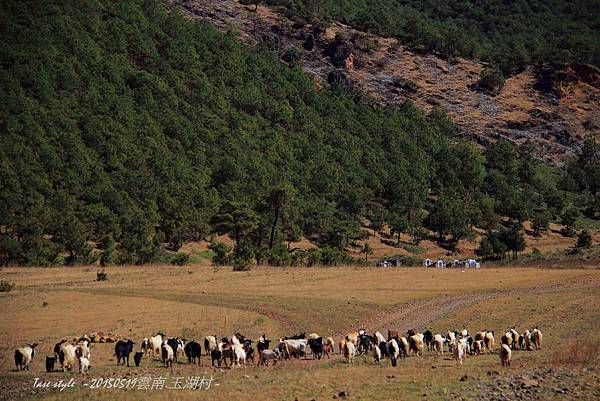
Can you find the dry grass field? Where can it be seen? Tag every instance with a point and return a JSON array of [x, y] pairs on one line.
[[48, 304]]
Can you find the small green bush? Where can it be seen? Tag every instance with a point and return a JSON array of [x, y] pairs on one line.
[[409, 260], [108, 255], [278, 256], [179, 259], [334, 256], [536, 254], [414, 249], [313, 257], [298, 258], [222, 253]]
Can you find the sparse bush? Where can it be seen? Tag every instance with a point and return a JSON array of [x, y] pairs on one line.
[[179, 259], [412, 248], [108, 254], [366, 250], [409, 261], [242, 265], [363, 42], [313, 258], [278, 256], [5, 286], [291, 55], [491, 80], [579, 353], [568, 219], [222, 253], [333, 256], [536, 254], [584, 239], [298, 258], [102, 275], [9, 250], [405, 85], [541, 222]]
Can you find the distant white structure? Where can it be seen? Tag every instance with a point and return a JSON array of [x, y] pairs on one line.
[[471, 263], [441, 264]]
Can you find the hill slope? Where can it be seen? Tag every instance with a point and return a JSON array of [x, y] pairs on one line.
[[390, 72], [509, 34], [128, 130]]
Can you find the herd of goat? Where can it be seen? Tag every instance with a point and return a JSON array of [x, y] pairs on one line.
[[238, 349]]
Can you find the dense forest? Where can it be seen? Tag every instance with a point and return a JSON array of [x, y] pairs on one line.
[[127, 131], [508, 34]]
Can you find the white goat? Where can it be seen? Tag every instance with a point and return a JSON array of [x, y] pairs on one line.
[[24, 355]]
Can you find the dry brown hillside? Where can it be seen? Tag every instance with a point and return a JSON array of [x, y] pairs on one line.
[[390, 73]]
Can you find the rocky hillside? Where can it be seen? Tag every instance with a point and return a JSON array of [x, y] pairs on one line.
[[555, 119]]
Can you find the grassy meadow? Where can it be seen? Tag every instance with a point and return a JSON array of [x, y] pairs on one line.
[[53, 303]]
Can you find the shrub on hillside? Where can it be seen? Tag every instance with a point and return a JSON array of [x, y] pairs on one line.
[[9, 249], [278, 256], [409, 261], [405, 85], [568, 219], [334, 256], [291, 55], [179, 259], [313, 257], [491, 80], [242, 265], [584, 239], [536, 254], [222, 253], [298, 258]]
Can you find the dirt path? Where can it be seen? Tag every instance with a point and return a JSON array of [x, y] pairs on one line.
[[419, 314], [416, 314]]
